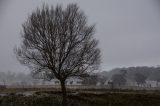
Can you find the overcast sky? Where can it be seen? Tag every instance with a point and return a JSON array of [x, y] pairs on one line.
[[128, 30]]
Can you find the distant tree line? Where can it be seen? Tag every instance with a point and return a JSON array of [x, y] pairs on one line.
[[139, 74], [118, 75]]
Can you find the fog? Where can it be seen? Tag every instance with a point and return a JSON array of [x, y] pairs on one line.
[[128, 30]]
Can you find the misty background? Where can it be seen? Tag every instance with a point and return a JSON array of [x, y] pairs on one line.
[[128, 30]]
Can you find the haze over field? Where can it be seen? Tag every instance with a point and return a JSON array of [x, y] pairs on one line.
[[128, 30]]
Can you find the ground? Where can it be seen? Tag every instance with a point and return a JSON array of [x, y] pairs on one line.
[[78, 97]]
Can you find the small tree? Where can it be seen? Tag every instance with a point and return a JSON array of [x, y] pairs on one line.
[[91, 80], [59, 43], [118, 79], [140, 78]]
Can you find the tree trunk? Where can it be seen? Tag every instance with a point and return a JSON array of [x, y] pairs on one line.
[[64, 94]]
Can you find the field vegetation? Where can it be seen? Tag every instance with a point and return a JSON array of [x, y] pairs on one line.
[[88, 97]]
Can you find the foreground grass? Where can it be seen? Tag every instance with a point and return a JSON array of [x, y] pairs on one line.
[[85, 98]]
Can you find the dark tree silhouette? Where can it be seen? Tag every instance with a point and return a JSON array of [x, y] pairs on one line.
[[94, 79], [59, 43], [140, 78], [118, 79], [91, 80]]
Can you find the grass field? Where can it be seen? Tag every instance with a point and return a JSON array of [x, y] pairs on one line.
[[77, 97]]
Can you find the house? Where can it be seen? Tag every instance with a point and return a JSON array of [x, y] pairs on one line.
[[131, 83], [150, 83], [107, 82], [74, 81]]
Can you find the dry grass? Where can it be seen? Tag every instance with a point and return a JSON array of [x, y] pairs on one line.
[[88, 97]]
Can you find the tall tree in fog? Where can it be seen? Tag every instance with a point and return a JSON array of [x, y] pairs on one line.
[[59, 43]]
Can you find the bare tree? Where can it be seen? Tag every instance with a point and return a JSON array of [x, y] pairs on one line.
[[59, 43]]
